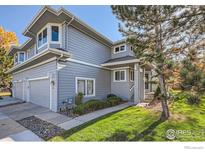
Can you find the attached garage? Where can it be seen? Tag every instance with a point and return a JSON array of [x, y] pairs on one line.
[[39, 91], [18, 90]]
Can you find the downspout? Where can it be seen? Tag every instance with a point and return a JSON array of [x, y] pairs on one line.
[[66, 33]]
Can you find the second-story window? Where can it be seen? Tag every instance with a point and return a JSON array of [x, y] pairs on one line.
[[42, 37], [120, 48], [21, 57], [54, 33]]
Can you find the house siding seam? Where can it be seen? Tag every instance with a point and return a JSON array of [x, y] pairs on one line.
[[68, 71]]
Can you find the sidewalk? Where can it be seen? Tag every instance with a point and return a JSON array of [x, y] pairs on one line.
[[91, 116]]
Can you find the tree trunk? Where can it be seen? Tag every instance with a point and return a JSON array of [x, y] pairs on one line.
[[165, 109]]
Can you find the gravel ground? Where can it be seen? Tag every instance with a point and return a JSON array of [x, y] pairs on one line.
[[41, 128]]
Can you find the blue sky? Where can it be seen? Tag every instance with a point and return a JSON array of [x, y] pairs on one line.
[[16, 18]]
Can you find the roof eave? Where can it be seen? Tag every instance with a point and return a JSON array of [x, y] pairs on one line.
[[121, 62], [49, 50]]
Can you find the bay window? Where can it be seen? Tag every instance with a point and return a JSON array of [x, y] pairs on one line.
[[86, 86], [42, 37]]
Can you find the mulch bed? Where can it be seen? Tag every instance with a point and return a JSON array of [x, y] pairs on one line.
[[41, 128]]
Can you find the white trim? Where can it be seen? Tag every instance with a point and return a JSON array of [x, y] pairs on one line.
[[118, 46], [39, 78], [86, 79], [50, 92], [39, 64], [121, 62], [59, 34], [85, 63], [122, 70]]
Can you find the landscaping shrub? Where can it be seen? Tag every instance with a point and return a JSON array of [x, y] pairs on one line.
[[111, 95], [114, 100], [95, 104], [193, 99], [79, 98]]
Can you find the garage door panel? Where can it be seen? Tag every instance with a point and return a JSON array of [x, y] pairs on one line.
[[19, 90], [40, 92]]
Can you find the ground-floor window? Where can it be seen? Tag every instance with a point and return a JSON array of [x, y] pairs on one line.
[[131, 75], [119, 75], [85, 86]]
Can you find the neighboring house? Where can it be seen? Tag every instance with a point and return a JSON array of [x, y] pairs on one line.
[[64, 56]]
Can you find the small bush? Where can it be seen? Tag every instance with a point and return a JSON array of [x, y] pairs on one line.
[[95, 104], [114, 100], [79, 98], [193, 99], [111, 95]]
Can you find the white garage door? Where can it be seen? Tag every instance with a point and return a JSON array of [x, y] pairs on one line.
[[19, 90], [40, 92]]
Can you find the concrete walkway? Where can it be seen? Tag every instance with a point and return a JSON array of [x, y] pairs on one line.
[[11, 130], [91, 116]]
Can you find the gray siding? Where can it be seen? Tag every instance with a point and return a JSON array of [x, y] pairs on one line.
[[39, 71], [66, 80], [127, 52], [85, 48], [121, 88], [31, 52], [54, 45]]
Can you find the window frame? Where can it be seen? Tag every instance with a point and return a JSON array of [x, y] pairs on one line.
[[132, 71], [86, 91], [120, 70], [58, 33], [41, 32], [119, 46]]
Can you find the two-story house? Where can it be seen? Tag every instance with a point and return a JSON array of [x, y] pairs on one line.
[[65, 56]]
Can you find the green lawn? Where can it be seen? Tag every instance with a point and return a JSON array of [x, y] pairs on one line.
[[5, 94], [140, 124]]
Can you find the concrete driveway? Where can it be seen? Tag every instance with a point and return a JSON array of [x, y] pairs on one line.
[[7, 100], [11, 130]]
